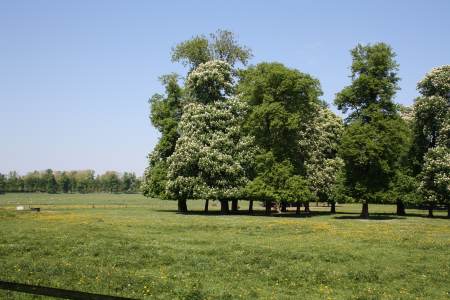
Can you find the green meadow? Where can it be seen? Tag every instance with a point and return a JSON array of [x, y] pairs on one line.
[[132, 246]]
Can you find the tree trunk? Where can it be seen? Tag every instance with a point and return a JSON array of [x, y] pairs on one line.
[[250, 207], [430, 211], [283, 206], [333, 207], [182, 206], [206, 205], [307, 207], [448, 211], [224, 207], [400, 208], [297, 210], [234, 205], [365, 210], [268, 207]]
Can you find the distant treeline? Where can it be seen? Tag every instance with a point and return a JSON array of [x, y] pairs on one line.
[[83, 181]]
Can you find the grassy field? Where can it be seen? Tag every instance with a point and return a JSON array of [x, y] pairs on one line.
[[128, 245]]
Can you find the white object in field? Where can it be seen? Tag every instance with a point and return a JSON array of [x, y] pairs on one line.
[[20, 207]]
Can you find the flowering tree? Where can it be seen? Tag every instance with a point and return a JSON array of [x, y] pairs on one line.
[[319, 141], [431, 145], [430, 112], [212, 157]]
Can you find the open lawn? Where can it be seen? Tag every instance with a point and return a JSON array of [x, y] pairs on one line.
[[130, 246]]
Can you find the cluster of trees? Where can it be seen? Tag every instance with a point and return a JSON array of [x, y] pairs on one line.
[[231, 132], [84, 181]]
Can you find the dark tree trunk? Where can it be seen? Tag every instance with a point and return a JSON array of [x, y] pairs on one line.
[[268, 207], [400, 208], [182, 206], [224, 207], [234, 205], [430, 211], [307, 207], [250, 207], [206, 205], [365, 210], [297, 209], [283, 206], [333, 207], [448, 211]]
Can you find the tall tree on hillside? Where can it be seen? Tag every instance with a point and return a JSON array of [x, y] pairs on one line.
[[212, 156], [376, 136]]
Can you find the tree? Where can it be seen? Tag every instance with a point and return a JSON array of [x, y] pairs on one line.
[[374, 80], [166, 109], [14, 182], [375, 137], [298, 190], [2, 183], [221, 45], [431, 110], [110, 181], [211, 157], [319, 142], [63, 182], [372, 149], [269, 184], [51, 186], [165, 114]]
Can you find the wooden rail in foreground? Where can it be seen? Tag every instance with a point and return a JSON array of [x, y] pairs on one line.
[[54, 292]]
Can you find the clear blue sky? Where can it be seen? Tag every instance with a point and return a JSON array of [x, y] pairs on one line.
[[75, 76]]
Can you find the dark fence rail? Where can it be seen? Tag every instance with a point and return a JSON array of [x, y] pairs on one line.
[[54, 292]]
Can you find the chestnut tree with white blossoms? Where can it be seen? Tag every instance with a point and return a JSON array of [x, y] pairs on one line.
[[212, 157], [319, 142]]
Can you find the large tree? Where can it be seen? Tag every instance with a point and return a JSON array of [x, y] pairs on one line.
[[281, 100], [166, 109], [212, 156], [375, 137], [319, 141], [430, 111]]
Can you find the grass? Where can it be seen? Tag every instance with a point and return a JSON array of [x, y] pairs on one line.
[[141, 248]]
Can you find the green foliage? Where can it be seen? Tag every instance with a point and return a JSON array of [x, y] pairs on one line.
[[50, 182], [165, 114], [2, 183], [374, 80], [297, 189], [280, 100], [221, 45], [372, 148]]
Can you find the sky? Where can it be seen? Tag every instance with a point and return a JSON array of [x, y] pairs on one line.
[[76, 76]]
